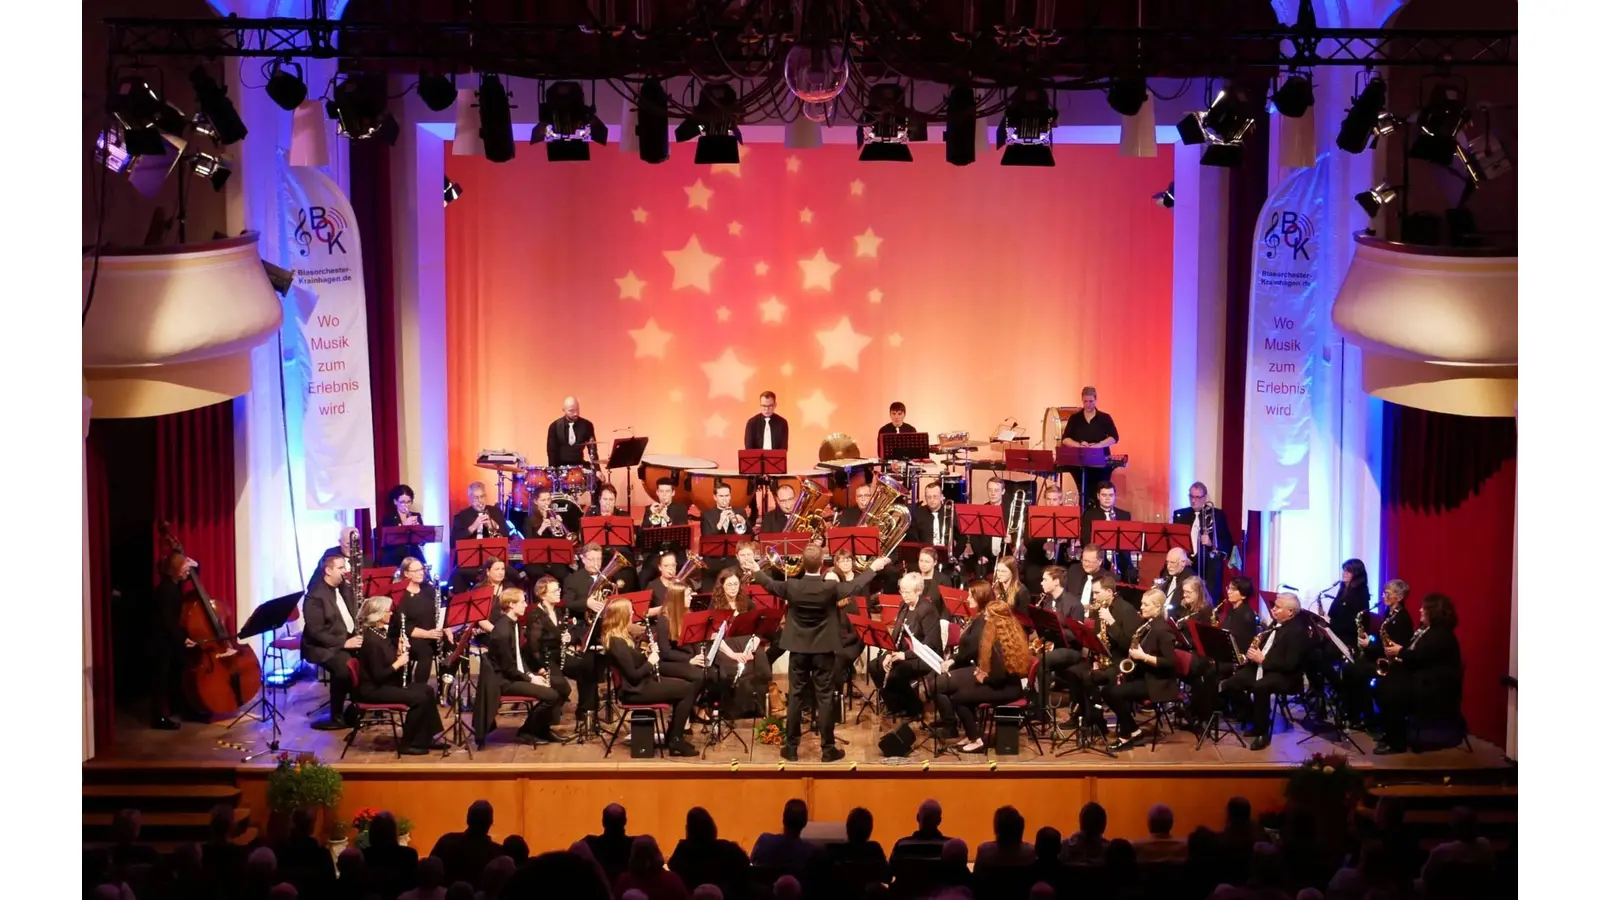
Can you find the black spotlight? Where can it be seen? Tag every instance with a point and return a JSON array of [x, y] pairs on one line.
[[218, 109], [282, 279], [1375, 200], [1126, 96], [361, 108], [961, 127], [287, 90], [1437, 125], [713, 126], [885, 134], [437, 91], [1294, 96], [212, 168], [1025, 131], [494, 120], [1363, 117], [138, 110], [1167, 198], [567, 124], [651, 127], [1192, 128], [452, 191]]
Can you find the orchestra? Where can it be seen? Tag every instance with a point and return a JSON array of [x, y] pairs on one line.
[[568, 633]]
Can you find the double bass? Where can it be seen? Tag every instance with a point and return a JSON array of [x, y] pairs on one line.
[[220, 673]]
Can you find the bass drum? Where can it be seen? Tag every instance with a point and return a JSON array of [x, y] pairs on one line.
[[703, 487], [1055, 423], [570, 512], [655, 466]]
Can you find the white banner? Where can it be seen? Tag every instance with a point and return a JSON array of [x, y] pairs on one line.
[[336, 428], [1288, 329]]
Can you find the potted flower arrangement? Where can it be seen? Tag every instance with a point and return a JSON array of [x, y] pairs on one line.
[[770, 730], [301, 782], [1329, 787], [362, 823]]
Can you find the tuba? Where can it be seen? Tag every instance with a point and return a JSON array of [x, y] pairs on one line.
[[807, 517], [605, 581], [884, 513], [688, 578]]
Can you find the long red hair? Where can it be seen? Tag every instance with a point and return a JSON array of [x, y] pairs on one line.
[[1000, 624]]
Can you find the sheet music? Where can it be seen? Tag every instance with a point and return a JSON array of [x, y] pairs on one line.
[[1348, 656], [923, 652], [716, 642]]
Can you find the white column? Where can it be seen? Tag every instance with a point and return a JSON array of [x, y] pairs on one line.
[[1199, 320]]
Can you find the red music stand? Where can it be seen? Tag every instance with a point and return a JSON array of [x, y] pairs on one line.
[[474, 553], [607, 531], [1081, 457], [380, 583], [761, 597], [859, 541], [720, 545], [665, 538], [763, 463], [1034, 462], [546, 552], [1118, 537], [640, 601], [889, 605], [1054, 523], [406, 535], [908, 446], [1211, 641], [873, 633], [955, 601], [980, 520], [789, 543], [470, 607], [1161, 537], [1048, 625], [906, 554], [1084, 634]]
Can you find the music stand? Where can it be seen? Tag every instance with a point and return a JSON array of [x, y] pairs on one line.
[[903, 446], [406, 535], [1120, 537], [955, 601], [546, 552], [1035, 462], [762, 598], [859, 541], [265, 619], [1054, 523], [763, 463], [1088, 736], [607, 531], [625, 454], [720, 546], [699, 627], [906, 554], [1048, 624], [667, 539], [1216, 644], [789, 543], [475, 553], [465, 610], [1082, 459], [380, 583], [641, 602], [873, 634], [1159, 537], [980, 520]]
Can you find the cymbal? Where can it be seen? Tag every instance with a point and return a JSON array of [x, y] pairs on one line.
[[838, 446]]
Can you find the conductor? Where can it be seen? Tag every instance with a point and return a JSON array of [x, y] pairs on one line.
[[811, 635]]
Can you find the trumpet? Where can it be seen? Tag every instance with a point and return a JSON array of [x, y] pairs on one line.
[[657, 516], [728, 517]]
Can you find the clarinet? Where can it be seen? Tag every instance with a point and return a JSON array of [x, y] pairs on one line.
[[405, 642]]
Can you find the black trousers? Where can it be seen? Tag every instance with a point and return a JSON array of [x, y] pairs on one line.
[[422, 653], [1203, 679], [844, 663], [1061, 659], [811, 672], [959, 694], [585, 669], [898, 686], [1083, 683], [747, 695], [338, 669], [674, 691], [166, 667], [422, 711], [1355, 687], [1260, 691], [547, 711], [1398, 699], [1122, 698]]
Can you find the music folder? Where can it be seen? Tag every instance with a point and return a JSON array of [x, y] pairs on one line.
[[607, 531], [980, 519], [763, 462], [405, 535], [475, 553]]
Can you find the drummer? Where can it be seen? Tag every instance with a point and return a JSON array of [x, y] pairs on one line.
[[570, 436]]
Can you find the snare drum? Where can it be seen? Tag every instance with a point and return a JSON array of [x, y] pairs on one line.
[[703, 487], [573, 479], [665, 465], [541, 478]]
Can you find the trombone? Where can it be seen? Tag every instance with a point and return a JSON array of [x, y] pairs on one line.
[[1016, 522]]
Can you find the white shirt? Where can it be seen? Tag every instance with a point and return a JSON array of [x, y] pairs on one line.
[[766, 433], [1266, 647], [1088, 591], [516, 649], [344, 611]]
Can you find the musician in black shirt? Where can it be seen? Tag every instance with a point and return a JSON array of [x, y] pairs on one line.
[[570, 436], [400, 498], [768, 430], [477, 521], [515, 669], [1391, 625], [1155, 669], [999, 662], [1274, 665], [637, 678], [1104, 509], [662, 514], [167, 640], [1089, 427], [418, 608], [897, 421], [381, 667], [773, 520], [1423, 687], [896, 674]]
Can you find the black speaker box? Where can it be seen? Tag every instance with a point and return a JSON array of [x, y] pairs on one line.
[[1007, 729], [642, 734], [898, 742]]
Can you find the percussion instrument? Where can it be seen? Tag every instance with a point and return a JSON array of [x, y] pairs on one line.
[[655, 466], [573, 479], [838, 446], [541, 478], [501, 460], [703, 486], [1055, 423], [848, 473]]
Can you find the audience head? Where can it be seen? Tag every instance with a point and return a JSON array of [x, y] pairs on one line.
[[1203, 844], [303, 822], [430, 872], [384, 831], [699, 826], [480, 817], [858, 825], [1238, 813], [496, 874], [645, 856], [125, 826], [1159, 821], [1120, 857], [707, 892], [1042, 891], [109, 892], [283, 890], [579, 878], [1308, 894], [954, 852], [260, 864], [1008, 826], [929, 814], [794, 817], [516, 848], [786, 888], [1092, 819], [350, 863], [634, 894], [461, 890], [1266, 866], [614, 819], [221, 826], [1463, 824], [1047, 842]]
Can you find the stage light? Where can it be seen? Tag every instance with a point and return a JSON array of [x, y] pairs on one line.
[[218, 109], [360, 107], [437, 91], [1192, 128], [282, 279], [713, 126], [1025, 129], [1438, 123], [1295, 96], [567, 124], [287, 90], [494, 119], [961, 127], [651, 126], [1221, 127], [816, 70], [1167, 198], [1375, 200], [211, 167], [885, 134], [1126, 96], [1365, 116], [136, 108], [452, 191], [816, 112]]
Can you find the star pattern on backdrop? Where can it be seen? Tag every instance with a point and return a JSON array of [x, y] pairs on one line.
[[792, 164], [675, 395], [649, 341], [629, 287], [867, 244], [857, 188], [724, 314], [786, 369], [874, 296], [761, 267], [732, 168], [735, 229], [816, 409], [716, 426], [772, 310], [699, 195], [806, 216], [894, 339], [727, 375], [641, 215], [842, 345], [692, 266], [818, 272]]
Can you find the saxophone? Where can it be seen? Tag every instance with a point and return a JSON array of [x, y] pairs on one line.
[[1126, 667], [1383, 663], [1104, 635], [1256, 642]]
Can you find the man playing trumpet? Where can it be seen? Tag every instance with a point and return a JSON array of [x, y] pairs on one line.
[[723, 519]]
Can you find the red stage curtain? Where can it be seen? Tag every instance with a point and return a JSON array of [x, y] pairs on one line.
[[195, 494], [1449, 516], [100, 617], [369, 198], [668, 297]]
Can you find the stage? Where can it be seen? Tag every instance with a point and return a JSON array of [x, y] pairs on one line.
[[553, 794]]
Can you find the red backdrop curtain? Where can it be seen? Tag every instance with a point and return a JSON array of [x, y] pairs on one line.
[[194, 493], [370, 163], [1449, 515]]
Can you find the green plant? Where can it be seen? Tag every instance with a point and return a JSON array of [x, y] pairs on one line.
[[301, 782], [770, 730], [363, 825], [1324, 780]]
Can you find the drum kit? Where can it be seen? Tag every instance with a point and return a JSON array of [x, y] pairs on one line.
[[516, 483]]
